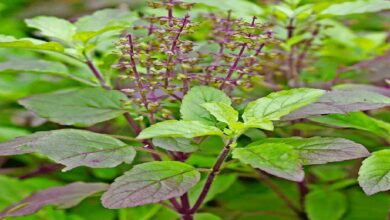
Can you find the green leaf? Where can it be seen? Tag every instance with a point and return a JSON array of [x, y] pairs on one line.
[[53, 27], [278, 159], [325, 205], [278, 104], [175, 144], [192, 109], [28, 43], [357, 120], [374, 174], [42, 66], [356, 7], [181, 129], [63, 196], [150, 182], [222, 112], [240, 7], [73, 148], [319, 150], [103, 19], [206, 216], [82, 107]]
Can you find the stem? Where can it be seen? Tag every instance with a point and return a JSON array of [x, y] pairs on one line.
[[267, 181], [306, 48], [210, 178], [292, 73], [96, 73], [233, 67], [235, 64], [302, 192]]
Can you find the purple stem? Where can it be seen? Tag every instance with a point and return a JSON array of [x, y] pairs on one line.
[[233, 67], [96, 73], [210, 178], [235, 64]]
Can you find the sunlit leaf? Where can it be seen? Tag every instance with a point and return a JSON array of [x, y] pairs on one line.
[[180, 129], [192, 109], [279, 159]]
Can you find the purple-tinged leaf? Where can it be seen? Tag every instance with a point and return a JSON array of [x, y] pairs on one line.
[[341, 102], [62, 197], [73, 148], [150, 183], [321, 150], [364, 87], [14, 147]]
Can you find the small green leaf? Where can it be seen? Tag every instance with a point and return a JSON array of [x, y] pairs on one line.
[[150, 182], [28, 43], [192, 109], [181, 129], [73, 148], [374, 174], [356, 7], [278, 159], [222, 112], [83, 107], [278, 104], [53, 27], [175, 144], [325, 205]]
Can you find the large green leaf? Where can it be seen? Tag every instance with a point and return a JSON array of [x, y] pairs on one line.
[[356, 7], [62, 197], [180, 129], [28, 43], [192, 109], [357, 120], [374, 174], [42, 66], [53, 27], [325, 205], [83, 107], [73, 148], [278, 159], [320, 150], [150, 183], [278, 104], [175, 144], [222, 112]]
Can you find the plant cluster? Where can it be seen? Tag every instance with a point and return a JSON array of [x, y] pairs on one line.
[[211, 100]]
